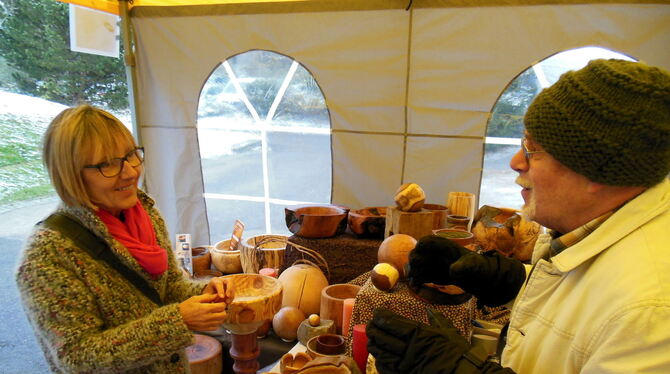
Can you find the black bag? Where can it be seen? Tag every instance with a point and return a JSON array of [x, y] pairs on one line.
[[99, 250]]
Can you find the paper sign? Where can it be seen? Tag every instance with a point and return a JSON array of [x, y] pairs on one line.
[[238, 228]]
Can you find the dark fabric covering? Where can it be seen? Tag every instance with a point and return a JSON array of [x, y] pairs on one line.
[[347, 256]]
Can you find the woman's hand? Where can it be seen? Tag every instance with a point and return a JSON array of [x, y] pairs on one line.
[[222, 288], [203, 312]]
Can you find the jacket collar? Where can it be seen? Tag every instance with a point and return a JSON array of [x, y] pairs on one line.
[[637, 212]]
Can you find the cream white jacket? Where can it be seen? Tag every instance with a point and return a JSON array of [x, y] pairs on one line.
[[603, 304]]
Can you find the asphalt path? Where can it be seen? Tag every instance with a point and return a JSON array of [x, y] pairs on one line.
[[19, 351]]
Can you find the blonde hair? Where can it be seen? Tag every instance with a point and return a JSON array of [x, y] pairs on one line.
[[71, 138]]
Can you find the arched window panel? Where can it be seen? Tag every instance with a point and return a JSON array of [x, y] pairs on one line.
[[303, 104], [264, 135], [505, 126], [298, 166]]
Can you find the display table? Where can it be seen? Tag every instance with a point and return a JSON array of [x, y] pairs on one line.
[[347, 256], [271, 348], [402, 301]]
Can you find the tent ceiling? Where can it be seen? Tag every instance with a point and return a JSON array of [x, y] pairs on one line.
[[270, 6]]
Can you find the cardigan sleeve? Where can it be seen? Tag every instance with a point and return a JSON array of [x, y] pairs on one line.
[[85, 318], [178, 287]]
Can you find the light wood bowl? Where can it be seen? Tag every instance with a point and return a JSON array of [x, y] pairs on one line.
[[225, 260], [316, 221], [332, 302], [257, 299], [262, 251]]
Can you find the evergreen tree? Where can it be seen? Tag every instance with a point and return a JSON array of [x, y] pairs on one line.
[[34, 40]]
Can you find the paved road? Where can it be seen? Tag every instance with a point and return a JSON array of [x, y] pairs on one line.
[[19, 351]]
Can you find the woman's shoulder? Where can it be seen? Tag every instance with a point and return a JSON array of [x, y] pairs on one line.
[[45, 247]]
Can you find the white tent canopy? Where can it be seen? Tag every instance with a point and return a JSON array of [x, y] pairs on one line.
[[408, 91]]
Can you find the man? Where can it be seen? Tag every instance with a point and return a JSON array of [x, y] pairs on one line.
[[593, 167]]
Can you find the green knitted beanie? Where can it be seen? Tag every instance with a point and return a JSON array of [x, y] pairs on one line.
[[609, 121]]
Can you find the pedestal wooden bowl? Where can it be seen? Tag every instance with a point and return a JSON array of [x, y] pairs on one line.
[[316, 221], [257, 299]]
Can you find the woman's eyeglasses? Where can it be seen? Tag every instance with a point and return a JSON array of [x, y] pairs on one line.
[[114, 166]]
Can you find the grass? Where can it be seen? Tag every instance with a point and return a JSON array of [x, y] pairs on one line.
[[22, 176]]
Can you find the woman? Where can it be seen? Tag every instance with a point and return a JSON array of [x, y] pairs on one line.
[[87, 316]]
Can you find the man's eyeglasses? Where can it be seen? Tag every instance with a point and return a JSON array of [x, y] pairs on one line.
[[526, 152], [114, 166]]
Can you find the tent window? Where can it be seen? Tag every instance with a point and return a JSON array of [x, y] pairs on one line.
[[505, 126], [264, 138]]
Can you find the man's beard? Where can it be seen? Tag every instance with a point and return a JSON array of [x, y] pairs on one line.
[[528, 209]]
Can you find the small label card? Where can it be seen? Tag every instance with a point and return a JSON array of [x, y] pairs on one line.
[[183, 252]]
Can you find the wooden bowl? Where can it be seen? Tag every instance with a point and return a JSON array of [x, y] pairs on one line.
[[332, 301], [202, 258], [316, 221], [460, 237], [440, 213], [257, 299], [225, 260], [207, 274], [262, 251], [330, 344], [368, 222], [313, 349], [291, 364]]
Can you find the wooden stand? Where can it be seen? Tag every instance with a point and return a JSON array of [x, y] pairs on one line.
[[204, 356], [245, 351], [415, 224]]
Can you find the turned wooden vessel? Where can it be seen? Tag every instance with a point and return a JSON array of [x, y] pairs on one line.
[[506, 231], [332, 302], [440, 213], [461, 203], [204, 356], [316, 221], [262, 251], [257, 299], [368, 222], [461, 237], [225, 260]]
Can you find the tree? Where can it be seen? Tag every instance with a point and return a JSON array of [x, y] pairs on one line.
[[507, 115], [34, 40]]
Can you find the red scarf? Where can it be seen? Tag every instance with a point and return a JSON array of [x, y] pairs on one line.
[[136, 233]]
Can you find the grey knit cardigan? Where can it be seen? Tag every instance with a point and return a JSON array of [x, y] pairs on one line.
[[88, 318]]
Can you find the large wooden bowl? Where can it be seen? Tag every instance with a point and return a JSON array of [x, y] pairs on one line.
[[368, 222], [257, 299], [316, 221]]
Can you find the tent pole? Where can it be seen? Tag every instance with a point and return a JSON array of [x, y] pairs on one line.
[[129, 60]]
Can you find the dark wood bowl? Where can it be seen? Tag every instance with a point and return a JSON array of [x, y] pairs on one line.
[[368, 222], [316, 221]]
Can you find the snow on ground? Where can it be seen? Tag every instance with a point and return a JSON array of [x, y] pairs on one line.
[[27, 105]]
